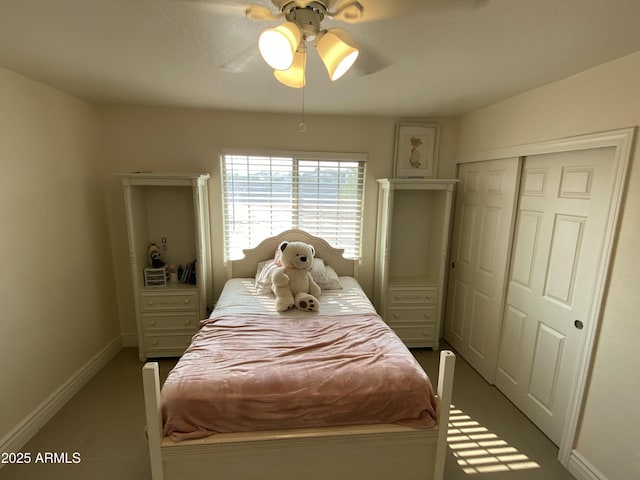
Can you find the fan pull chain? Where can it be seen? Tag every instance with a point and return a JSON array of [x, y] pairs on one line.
[[302, 126]]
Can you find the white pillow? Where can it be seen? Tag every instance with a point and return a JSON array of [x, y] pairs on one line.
[[263, 276], [325, 276]]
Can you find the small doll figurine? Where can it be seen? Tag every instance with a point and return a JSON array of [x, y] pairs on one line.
[[154, 256]]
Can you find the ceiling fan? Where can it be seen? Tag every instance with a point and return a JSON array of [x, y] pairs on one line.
[[284, 47]]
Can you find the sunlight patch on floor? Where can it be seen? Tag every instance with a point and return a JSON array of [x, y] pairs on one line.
[[477, 450]]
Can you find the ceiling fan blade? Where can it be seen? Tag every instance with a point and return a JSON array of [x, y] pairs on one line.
[[375, 10], [248, 60], [348, 11], [229, 8], [369, 62], [257, 12]]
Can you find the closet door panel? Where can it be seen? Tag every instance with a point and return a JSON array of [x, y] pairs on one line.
[[561, 223], [483, 225]]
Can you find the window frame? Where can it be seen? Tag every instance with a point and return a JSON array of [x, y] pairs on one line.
[[296, 156]]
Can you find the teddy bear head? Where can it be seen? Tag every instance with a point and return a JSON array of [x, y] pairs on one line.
[[298, 255]]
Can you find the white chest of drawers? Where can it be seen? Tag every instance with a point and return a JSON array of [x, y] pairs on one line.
[[168, 319], [412, 312]]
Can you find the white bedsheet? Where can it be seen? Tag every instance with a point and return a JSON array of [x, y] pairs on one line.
[[240, 297]]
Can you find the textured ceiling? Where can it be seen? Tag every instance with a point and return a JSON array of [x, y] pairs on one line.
[[442, 57]]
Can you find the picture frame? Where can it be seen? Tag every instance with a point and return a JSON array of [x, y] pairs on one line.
[[416, 153]]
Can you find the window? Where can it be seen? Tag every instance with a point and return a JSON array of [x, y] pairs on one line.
[[265, 194]]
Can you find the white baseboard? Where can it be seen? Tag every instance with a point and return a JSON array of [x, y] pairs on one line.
[[30, 425], [582, 469]]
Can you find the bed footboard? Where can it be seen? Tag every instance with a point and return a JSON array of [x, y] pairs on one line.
[[445, 394], [379, 451], [151, 387]]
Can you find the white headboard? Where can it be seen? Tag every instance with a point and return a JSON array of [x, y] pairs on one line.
[[246, 267]]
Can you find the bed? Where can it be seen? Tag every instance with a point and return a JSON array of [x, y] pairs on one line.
[[201, 427]]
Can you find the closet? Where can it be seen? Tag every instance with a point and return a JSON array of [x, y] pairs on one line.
[[531, 240]]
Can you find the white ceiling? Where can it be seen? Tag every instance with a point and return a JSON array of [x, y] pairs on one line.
[[446, 57]]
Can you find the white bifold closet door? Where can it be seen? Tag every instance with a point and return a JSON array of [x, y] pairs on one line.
[[562, 216]]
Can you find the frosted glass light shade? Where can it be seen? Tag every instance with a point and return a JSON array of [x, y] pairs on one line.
[[336, 54], [278, 45], [294, 76]]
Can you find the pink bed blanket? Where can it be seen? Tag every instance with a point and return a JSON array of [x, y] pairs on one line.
[[250, 373]]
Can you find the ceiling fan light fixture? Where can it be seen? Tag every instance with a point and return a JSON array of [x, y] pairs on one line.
[[278, 45], [294, 76], [336, 54]]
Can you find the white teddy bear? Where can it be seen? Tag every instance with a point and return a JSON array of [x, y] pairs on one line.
[[291, 281]]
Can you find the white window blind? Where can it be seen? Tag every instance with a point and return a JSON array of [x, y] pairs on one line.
[[266, 194]]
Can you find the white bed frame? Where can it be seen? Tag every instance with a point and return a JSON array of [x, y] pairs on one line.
[[361, 451]]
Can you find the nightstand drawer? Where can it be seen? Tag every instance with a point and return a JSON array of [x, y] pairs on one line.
[[422, 316], [416, 334], [187, 300], [161, 343], [404, 295], [170, 321]]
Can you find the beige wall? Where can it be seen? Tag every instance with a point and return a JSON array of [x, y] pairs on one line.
[[56, 286], [605, 98], [167, 139]]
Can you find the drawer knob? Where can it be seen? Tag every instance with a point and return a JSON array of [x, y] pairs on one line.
[[151, 302], [427, 315], [154, 342], [152, 322], [396, 316], [187, 322], [426, 333], [187, 301], [397, 297]]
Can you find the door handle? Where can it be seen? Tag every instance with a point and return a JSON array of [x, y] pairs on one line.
[[578, 324]]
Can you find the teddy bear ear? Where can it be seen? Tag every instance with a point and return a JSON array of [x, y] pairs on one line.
[[283, 245], [313, 250]]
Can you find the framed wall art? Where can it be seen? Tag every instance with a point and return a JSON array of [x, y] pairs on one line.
[[416, 153]]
